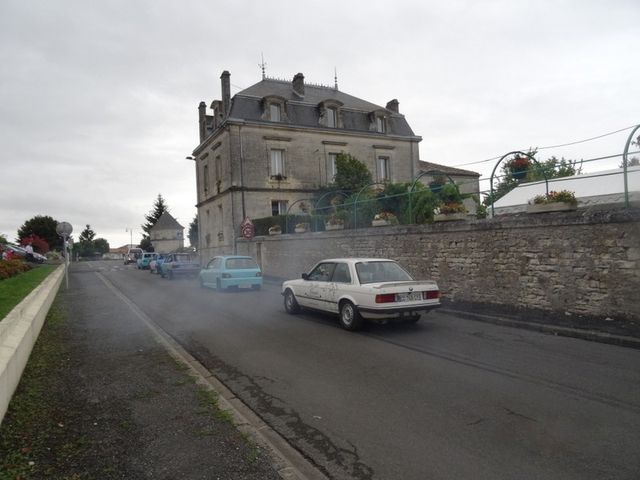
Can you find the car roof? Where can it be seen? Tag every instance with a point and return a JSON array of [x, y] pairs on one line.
[[356, 259]]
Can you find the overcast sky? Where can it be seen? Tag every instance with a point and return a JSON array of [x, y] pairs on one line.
[[98, 100]]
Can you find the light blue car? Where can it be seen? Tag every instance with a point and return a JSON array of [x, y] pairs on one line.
[[143, 262], [231, 272]]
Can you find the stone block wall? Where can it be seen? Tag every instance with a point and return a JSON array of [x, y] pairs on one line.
[[584, 263]]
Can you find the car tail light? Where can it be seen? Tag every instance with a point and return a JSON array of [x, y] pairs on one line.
[[258, 274], [226, 275], [386, 298], [431, 294]]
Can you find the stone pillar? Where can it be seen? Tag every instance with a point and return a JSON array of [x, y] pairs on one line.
[[226, 92], [298, 84], [393, 105]]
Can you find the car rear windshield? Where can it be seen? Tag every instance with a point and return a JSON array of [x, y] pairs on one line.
[[241, 263], [375, 272]]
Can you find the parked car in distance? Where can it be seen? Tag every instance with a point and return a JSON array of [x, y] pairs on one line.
[[144, 260], [39, 258], [180, 264], [132, 256], [154, 267], [361, 288], [16, 251], [233, 271]]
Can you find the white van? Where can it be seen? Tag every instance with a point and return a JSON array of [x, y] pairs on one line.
[[133, 255]]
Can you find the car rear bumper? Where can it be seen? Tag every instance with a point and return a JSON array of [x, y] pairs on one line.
[[240, 282], [387, 312]]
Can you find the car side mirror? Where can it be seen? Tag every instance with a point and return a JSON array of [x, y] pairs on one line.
[[305, 276]]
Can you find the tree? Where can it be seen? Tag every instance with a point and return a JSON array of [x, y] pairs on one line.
[[351, 173], [159, 207], [3, 239], [193, 232], [100, 245], [633, 161], [38, 244], [87, 235], [44, 227]]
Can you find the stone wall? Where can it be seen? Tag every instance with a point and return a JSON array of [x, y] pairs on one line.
[[583, 263]]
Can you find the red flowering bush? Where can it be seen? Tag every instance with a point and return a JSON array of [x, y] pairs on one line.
[[39, 244], [9, 268]]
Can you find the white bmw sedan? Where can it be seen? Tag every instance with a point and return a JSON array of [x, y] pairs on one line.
[[361, 288]]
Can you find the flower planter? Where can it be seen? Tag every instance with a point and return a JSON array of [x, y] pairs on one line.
[[300, 230], [551, 207], [449, 217], [275, 232], [519, 174], [333, 226], [380, 223]]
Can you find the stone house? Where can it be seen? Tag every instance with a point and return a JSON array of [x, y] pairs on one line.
[[276, 142], [167, 235]]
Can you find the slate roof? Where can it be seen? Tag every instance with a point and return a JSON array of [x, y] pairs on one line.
[[167, 222], [304, 111], [426, 166]]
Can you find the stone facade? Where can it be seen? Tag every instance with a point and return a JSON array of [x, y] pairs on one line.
[[574, 263], [274, 143]]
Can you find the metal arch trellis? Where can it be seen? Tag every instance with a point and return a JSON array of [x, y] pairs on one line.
[[625, 163], [415, 182], [332, 192], [355, 203], [516, 152], [286, 215]]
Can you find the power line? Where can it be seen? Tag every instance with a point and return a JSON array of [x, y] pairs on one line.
[[552, 146]]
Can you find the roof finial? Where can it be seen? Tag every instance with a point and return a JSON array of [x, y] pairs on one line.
[[263, 66], [335, 78]]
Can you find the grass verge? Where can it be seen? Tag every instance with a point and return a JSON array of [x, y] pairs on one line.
[[14, 289], [33, 419]]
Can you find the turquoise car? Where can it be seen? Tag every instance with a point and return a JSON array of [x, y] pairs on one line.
[[231, 272], [144, 260]]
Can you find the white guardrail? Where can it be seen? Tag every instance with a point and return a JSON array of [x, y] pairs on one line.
[[19, 331]]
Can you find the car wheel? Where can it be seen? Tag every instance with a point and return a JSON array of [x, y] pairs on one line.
[[350, 318], [413, 319], [290, 303]]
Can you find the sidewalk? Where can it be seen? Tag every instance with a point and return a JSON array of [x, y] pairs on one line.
[[101, 398]]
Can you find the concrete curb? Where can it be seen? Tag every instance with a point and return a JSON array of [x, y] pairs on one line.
[[19, 331], [591, 335]]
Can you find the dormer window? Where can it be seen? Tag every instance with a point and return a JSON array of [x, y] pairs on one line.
[[332, 117], [330, 114], [275, 111], [378, 121]]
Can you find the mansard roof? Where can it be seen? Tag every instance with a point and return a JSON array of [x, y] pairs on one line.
[[167, 222], [304, 110]]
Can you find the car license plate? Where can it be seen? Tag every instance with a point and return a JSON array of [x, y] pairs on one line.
[[409, 297]]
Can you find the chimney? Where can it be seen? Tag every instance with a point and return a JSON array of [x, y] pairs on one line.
[[202, 118], [298, 84], [393, 105], [226, 92]]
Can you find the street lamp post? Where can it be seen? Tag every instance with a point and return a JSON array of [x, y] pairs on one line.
[[130, 230]]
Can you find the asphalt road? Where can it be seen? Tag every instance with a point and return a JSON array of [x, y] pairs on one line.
[[447, 398]]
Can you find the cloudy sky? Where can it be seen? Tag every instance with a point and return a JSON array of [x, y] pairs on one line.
[[98, 100]]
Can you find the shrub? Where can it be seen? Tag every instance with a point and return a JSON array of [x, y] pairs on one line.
[[10, 268], [561, 196]]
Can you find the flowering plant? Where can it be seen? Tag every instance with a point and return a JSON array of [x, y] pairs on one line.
[[335, 220], [561, 196], [388, 216], [451, 207], [275, 229], [304, 225]]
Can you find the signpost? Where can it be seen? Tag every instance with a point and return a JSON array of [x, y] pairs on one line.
[[247, 229], [64, 229]]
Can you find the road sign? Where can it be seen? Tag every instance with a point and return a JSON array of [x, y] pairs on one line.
[[64, 229], [246, 227]]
